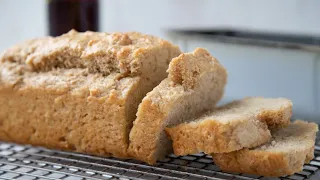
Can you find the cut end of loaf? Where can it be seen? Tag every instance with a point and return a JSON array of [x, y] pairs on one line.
[[187, 68], [195, 84]]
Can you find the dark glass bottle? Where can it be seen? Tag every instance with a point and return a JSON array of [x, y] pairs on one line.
[[64, 15]]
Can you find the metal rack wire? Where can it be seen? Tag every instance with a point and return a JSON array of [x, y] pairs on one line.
[[28, 163]]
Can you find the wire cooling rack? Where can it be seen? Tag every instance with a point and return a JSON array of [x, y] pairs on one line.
[[28, 163]]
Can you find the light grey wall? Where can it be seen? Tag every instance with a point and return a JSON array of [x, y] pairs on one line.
[[25, 19], [21, 20], [285, 16]]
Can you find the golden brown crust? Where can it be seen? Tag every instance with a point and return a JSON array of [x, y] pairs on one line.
[[88, 118], [187, 68], [284, 155], [276, 118], [271, 164], [213, 136], [254, 162], [143, 148], [151, 118], [231, 127], [98, 52]]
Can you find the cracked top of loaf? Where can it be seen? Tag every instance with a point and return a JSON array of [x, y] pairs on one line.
[[98, 52], [94, 63]]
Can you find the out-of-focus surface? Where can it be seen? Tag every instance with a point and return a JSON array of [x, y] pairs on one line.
[[27, 19], [21, 20], [286, 16], [253, 70]]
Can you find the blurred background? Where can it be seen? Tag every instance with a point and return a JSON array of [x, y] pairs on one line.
[[270, 48]]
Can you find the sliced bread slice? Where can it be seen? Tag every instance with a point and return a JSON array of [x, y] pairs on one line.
[[239, 124], [285, 154], [195, 84]]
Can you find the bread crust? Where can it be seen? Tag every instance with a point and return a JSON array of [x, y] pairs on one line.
[[254, 162], [143, 145], [211, 135], [98, 52], [276, 118], [60, 119], [272, 163]]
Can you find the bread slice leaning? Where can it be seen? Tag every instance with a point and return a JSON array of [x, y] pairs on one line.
[[195, 84], [239, 124], [285, 154]]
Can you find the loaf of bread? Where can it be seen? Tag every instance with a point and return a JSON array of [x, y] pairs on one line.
[[79, 91], [195, 84], [239, 124], [285, 154]]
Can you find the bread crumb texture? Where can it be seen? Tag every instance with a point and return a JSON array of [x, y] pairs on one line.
[[195, 84], [79, 91], [97, 52], [239, 124], [285, 154]]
